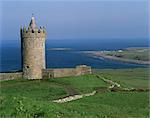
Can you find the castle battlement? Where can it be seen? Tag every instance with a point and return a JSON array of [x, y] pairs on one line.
[[28, 32], [36, 30]]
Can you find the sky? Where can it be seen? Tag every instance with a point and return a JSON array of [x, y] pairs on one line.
[[77, 19]]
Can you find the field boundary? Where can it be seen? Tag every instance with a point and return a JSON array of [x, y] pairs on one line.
[[117, 87], [75, 97], [114, 87]]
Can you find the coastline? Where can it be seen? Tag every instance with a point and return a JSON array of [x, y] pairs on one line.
[[59, 49], [98, 54]]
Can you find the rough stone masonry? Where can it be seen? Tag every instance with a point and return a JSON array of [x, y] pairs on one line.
[[33, 50]]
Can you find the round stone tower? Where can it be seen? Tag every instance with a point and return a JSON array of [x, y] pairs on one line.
[[33, 50]]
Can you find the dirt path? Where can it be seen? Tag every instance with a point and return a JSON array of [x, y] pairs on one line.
[[114, 87], [69, 89]]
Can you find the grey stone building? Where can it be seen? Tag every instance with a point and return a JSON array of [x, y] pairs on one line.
[[33, 58], [33, 50]]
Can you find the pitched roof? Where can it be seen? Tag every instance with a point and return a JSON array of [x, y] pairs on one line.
[[32, 24]]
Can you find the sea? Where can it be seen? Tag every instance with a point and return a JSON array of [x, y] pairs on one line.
[[10, 52]]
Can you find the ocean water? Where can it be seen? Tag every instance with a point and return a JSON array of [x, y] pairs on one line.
[[10, 53]]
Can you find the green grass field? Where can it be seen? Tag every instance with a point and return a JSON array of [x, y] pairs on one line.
[[137, 78], [33, 98]]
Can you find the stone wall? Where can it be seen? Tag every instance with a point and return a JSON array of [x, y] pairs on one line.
[[66, 72], [83, 69], [51, 73], [10, 76], [47, 73]]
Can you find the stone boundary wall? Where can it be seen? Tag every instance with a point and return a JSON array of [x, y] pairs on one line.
[[67, 72], [10, 76], [51, 73], [64, 72]]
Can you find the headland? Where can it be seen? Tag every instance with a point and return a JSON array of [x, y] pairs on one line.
[[138, 55]]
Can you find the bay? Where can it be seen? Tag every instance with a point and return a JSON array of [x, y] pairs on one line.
[[11, 55]]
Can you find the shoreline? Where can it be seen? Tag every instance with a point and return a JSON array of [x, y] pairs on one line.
[[59, 49], [98, 54]]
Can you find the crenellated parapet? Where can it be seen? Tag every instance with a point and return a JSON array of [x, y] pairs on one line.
[[31, 33]]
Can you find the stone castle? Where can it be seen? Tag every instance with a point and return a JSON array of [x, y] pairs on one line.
[[33, 57], [33, 50]]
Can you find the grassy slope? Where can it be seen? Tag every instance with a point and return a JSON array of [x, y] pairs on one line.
[[138, 78], [24, 98], [113, 105], [81, 84]]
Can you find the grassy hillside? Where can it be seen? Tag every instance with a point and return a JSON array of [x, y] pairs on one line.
[[137, 78], [81, 84], [33, 98]]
